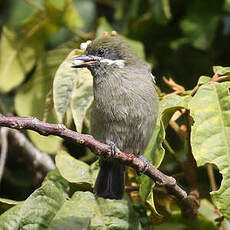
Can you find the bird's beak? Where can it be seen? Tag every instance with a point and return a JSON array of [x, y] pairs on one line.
[[83, 61]]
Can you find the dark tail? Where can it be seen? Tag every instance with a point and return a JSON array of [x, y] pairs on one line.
[[110, 180]]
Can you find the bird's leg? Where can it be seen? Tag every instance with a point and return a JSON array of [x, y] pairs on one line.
[[146, 164], [112, 147]]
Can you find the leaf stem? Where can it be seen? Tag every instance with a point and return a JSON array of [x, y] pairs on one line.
[[211, 177], [4, 148]]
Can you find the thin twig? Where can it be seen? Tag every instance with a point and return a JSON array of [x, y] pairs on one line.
[[178, 89], [188, 204], [4, 149]]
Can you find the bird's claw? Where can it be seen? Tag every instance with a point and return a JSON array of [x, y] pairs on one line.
[[112, 148], [146, 164]]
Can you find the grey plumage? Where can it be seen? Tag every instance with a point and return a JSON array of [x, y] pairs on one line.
[[125, 108]]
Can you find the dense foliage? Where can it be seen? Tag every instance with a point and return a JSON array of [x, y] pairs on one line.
[[178, 39]]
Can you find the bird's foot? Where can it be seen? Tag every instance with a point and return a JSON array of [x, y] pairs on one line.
[[112, 148], [146, 164]]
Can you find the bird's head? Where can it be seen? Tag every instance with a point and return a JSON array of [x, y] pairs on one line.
[[105, 53]]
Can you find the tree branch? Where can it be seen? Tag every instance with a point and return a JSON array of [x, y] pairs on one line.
[[187, 203]]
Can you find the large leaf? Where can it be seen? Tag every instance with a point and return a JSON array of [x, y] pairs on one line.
[[36, 212], [210, 135], [73, 170], [63, 86], [220, 70], [16, 59], [5, 204], [82, 97]]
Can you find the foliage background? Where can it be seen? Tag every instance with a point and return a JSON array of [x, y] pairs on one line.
[[179, 39]]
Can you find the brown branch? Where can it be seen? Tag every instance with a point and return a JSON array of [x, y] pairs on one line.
[[188, 204]]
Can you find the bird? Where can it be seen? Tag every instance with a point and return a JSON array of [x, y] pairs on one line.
[[125, 107]]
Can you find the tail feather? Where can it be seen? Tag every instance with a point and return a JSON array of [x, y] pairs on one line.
[[110, 180]]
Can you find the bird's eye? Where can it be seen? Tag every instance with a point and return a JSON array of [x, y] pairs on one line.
[[101, 51]]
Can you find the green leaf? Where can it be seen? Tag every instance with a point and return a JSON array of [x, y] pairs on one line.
[[82, 97], [90, 213], [221, 70], [63, 86], [169, 101], [203, 79], [155, 154], [74, 171], [74, 213], [5, 204], [210, 135], [60, 182], [10, 219], [154, 151], [207, 209], [36, 212], [16, 60], [47, 209]]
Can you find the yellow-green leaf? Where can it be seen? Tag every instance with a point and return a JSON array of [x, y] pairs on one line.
[[63, 86], [210, 136], [82, 97], [73, 170], [220, 70], [16, 59]]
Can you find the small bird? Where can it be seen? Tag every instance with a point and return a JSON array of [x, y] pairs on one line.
[[125, 106]]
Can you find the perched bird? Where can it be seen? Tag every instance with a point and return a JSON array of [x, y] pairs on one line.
[[125, 106]]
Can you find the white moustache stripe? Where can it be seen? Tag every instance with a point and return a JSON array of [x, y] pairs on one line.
[[120, 63]]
